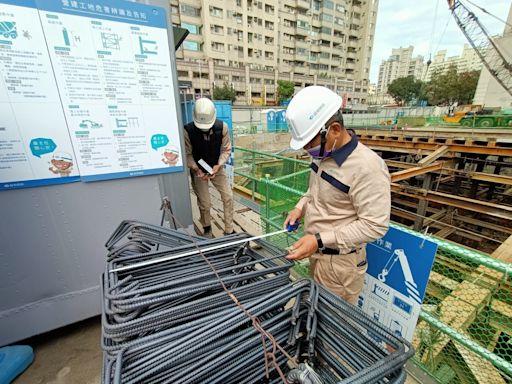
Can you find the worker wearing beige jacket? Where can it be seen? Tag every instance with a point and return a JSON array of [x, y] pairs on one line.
[[207, 140], [348, 202]]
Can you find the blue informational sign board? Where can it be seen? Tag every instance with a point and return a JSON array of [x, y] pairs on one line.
[[399, 267], [100, 75]]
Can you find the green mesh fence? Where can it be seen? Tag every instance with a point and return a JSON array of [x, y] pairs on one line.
[[464, 334]]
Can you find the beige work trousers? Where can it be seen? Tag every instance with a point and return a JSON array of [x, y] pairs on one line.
[[340, 273], [201, 189]]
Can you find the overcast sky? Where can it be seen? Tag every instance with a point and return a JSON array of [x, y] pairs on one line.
[[409, 22]]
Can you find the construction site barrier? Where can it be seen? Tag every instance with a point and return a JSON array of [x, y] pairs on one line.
[[465, 328]]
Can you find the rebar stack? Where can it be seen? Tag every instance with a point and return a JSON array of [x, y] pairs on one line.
[[174, 322]]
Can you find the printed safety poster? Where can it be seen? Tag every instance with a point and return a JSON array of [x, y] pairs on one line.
[[399, 267], [35, 148], [102, 96]]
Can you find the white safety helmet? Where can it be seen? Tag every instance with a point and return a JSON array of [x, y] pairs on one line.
[[62, 156], [308, 112], [204, 114]]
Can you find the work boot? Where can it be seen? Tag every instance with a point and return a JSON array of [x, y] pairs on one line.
[[230, 233], [207, 232]]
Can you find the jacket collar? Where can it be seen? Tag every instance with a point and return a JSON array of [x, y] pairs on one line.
[[341, 154]]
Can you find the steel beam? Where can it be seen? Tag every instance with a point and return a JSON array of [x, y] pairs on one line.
[[495, 210], [383, 144]]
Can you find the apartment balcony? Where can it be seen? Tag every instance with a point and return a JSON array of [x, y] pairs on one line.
[[351, 55], [287, 56], [325, 36], [304, 4], [325, 48], [316, 23], [324, 60], [300, 69], [303, 17], [301, 58], [290, 3], [196, 20], [302, 44], [353, 43], [287, 29], [314, 48], [337, 39]]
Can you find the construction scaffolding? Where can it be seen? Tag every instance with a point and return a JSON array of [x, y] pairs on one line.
[[465, 326]]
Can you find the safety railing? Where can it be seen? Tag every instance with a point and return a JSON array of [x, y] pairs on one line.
[[464, 334]]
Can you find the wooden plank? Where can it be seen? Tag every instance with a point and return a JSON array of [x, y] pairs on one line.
[[504, 251], [434, 155], [482, 370]]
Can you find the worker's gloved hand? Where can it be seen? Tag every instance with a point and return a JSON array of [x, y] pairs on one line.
[[292, 217], [305, 247]]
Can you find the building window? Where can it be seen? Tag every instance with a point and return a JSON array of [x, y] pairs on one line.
[[326, 30], [326, 17], [218, 47], [190, 10], [191, 46], [193, 29], [316, 5], [269, 81], [216, 12], [328, 4], [238, 78], [269, 9], [255, 80], [219, 76], [219, 61], [302, 24], [269, 25], [175, 9], [217, 29], [182, 73], [302, 52]]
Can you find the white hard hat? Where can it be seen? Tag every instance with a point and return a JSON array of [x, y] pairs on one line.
[[62, 156], [171, 149], [308, 112], [204, 114]]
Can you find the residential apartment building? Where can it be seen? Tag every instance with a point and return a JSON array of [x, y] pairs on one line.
[[251, 44], [467, 61], [401, 63]]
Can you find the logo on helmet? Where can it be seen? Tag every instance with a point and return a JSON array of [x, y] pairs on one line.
[[313, 115]]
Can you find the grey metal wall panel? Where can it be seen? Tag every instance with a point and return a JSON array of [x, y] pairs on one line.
[[53, 237]]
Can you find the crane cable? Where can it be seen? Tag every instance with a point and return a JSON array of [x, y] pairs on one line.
[[489, 13]]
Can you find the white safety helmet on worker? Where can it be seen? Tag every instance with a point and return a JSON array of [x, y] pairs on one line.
[[204, 114], [308, 112]]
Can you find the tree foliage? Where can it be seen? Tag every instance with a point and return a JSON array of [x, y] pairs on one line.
[[451, 87], [224, 93], [404, 89], [285, 90]]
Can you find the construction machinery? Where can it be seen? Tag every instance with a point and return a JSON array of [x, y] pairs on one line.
[[474, 115]]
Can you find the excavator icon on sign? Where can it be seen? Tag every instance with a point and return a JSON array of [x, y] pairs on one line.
[[400, 256]]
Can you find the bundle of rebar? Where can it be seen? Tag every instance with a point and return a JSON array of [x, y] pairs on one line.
[[174, 313]]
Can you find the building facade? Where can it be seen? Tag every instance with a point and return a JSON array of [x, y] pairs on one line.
[[401, 63], [251, 44], [467, 61]]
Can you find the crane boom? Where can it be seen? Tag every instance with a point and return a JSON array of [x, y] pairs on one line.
[[483, 44]]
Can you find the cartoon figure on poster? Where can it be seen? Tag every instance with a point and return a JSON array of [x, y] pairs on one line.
[[61, 164], [171, 156]]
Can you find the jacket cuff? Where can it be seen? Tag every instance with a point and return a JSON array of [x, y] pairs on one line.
[[329, 239]]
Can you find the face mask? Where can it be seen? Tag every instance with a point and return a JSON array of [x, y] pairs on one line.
[[315, 152]]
